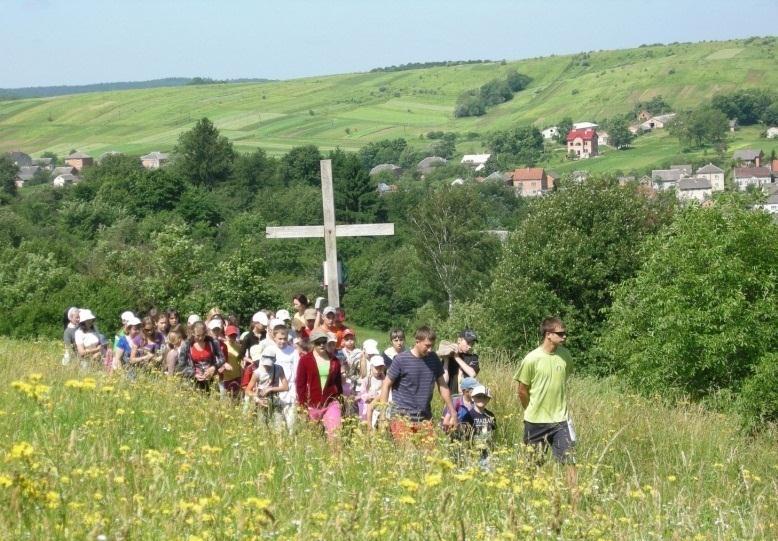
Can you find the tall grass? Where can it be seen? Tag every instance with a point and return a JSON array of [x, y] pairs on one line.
[[87, 455]]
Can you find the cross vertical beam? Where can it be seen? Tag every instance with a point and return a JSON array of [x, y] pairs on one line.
[[330, 234]]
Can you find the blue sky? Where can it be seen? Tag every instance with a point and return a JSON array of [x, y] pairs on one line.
[[52, 42]]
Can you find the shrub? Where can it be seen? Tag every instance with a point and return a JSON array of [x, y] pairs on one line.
[[704, 308], [758, 399], [564, 259]]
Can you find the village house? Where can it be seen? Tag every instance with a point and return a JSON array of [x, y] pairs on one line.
[[63, 179], [714, 174], [733, 125], [63, 170], [44, 163], [429, 163], [748, 157], [505, 178], [550, 132], [603, 138], [772, 133], [530, 181], [694, 189], [79, 160], [771, 203], [477, 161], [154, 160], [27, 172], [391, 168], [20, 159], [664, 179], [743, 177], [657, 122], [582, 143]]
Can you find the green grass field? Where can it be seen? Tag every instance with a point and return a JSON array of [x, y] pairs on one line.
[[87, 456], [372, 106]]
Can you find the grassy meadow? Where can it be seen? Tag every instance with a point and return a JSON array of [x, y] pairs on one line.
[[92, 456], [350, 110]]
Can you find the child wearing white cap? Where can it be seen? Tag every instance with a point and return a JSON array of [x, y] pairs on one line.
[[266, 382], [369, 389], [480, 423]]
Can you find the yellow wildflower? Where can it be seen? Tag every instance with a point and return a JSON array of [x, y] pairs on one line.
[[433, 479], [407, 484], [409, 500], [21, 450], [257, 503]]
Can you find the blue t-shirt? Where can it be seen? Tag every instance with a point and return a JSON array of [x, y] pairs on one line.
[[123, 343], [413, 381]]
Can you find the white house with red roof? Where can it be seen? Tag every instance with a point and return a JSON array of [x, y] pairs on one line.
[[582, 143]]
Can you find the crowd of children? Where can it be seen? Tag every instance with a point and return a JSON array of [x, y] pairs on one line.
[[283, 365]]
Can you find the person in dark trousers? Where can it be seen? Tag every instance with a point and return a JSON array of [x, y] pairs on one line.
[[542, 378]]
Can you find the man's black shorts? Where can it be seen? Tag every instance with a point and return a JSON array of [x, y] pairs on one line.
[[557, 435]]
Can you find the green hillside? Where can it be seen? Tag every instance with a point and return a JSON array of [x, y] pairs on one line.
[[350, 110]]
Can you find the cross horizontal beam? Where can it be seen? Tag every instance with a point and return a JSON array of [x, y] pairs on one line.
[[317, 231]]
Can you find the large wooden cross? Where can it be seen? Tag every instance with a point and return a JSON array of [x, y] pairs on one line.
[[330, 232]]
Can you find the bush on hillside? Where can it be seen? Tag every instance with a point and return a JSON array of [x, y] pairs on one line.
[[703, 309], [572, 248]]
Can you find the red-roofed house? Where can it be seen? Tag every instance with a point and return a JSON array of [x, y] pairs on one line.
[[582, 143], [530, 181]]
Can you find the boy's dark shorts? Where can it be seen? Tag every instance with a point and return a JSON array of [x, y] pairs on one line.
[[557, 435]]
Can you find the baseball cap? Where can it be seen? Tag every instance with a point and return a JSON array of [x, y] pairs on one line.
[[276, 323], [231, 329], [469, 384], [370, 347], [268, 356], [331, 337], [191, 320], [328, 310], [481, 390], [126, 315], [310, 313], [318, 335], [133, 321], [85, 314], [215, 323], [349, 332], [376, 360], [283, 315], [469, 336], [260, 317]]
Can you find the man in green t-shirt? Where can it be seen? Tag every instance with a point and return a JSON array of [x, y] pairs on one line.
[[542, 378]]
